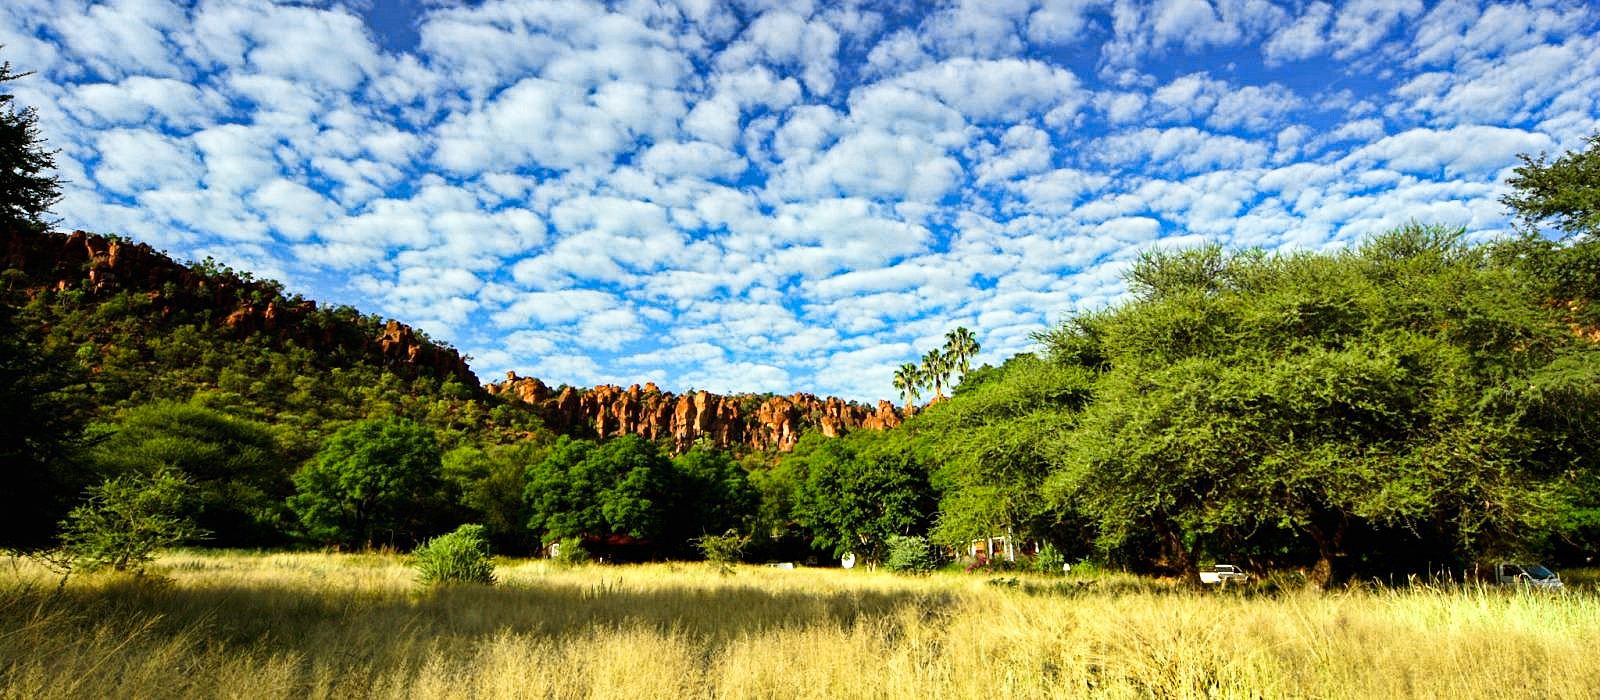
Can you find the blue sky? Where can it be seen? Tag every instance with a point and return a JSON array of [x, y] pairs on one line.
[[778, 196]]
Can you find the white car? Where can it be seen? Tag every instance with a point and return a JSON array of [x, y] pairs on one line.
[[1223, 574], [1530, 575]]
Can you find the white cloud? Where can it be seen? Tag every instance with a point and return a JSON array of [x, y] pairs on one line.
[[132, 160], [1301, 39], [780, 196]]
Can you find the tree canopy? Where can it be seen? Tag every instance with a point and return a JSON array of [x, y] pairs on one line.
[[28, 188], [1565, 190], [374, 481]]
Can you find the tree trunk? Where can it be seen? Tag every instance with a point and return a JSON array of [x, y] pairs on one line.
[[1329, 536], [1188, 568]]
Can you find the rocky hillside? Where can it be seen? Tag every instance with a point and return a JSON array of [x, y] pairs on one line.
[[97, 266], [742, 422]]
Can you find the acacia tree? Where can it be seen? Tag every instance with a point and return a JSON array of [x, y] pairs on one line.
[[1566, 190], [991, 449], [27, 188], [239, 473], [376, 476], [1384, 391]]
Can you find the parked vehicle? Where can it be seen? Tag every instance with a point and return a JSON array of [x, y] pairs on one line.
[[1530, 575], [1223, 575]]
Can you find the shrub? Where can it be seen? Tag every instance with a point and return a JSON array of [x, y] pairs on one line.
[[459, 557], [724, 550], [909, 555], [126, 519], [570, 552], [1049, 560]]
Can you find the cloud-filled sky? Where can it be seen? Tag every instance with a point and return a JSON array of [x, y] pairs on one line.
[[777, 196]]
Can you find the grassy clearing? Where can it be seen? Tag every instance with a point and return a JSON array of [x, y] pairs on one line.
[[299, 625]]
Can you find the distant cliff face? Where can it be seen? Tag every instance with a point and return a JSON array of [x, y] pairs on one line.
[[742, 422], [102, 265]]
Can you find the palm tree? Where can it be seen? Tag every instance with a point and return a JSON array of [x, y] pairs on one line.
[[935, 368], [961, 346], [908, 379]]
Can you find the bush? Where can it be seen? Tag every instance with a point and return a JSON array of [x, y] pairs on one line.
[[1049, 560], [724, 550], [570, 552], [126, 519], [909, 555], [459, 557]]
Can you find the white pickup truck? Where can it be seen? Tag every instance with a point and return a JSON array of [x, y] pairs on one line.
[[1223, 575]]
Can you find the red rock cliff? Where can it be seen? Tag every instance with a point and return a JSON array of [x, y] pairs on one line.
[[742, 422]]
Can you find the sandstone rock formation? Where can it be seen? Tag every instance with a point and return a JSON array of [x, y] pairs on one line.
[[742, 422]]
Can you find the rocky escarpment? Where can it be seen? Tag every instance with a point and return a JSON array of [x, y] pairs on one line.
[[742, 422], [100, 266]]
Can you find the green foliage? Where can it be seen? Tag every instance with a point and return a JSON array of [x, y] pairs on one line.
[[935, 371], [490, 481], [624, 486], [909, 554], [724, 550], [860, 489], [27, 187], [908, 381], [38, 437], [124, 520], [991, 447], [715, 493], [379, 476], [1049, 560], [1566, 190], [570, 552], [240, 473], [960, 346], [1384, 393], [461, 556]]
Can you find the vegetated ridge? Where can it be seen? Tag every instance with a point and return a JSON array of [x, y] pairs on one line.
[[100, 266], [126, 281], [740, 422]]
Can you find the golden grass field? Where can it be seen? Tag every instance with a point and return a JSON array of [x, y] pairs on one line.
[[350, 626]]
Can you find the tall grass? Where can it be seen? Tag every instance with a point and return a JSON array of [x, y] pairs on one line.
[[310, 625]]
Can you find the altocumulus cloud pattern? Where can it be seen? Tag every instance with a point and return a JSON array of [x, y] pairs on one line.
[[778, 195]]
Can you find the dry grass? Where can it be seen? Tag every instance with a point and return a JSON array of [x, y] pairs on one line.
[[299, 625]]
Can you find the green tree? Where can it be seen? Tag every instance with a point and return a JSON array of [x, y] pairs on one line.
[[1378, 394], [490, 481], [960, 346], [908, 381], [27, 188], [860, 489], [715, 494], [1566, 190], [38, 437], [240, 474], [625, 486], [991, 446], [124, 520], [379, 476]]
